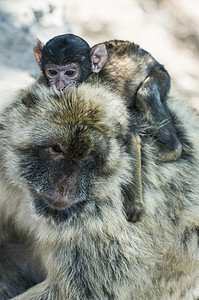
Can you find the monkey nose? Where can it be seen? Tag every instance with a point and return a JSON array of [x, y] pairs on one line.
[[60, 84], [61, 87], [67, 185]]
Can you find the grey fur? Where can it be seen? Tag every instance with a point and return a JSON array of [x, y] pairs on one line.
[[95, 253]]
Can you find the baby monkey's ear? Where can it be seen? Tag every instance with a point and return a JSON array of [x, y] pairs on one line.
[[38, 49], [99, 56]]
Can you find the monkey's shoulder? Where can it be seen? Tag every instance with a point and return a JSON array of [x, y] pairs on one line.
[[123, 48]]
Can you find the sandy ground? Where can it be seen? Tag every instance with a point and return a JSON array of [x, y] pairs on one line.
[[169, 29]]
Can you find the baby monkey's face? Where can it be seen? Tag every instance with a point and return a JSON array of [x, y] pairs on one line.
[[64, 60], [63, 77]]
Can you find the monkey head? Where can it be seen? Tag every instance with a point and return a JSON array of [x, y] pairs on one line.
[[62, 147], [64, 60]]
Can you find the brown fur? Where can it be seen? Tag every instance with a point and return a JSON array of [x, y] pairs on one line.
[[144, 84], [127, 67]]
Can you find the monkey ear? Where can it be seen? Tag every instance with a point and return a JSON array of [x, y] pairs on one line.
[[38, 52], [99, 57]]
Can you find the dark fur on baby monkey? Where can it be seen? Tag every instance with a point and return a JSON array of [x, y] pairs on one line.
[[64, 60]]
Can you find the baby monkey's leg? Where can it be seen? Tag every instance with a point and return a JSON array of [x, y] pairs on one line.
[[133, 200], [151, 102]]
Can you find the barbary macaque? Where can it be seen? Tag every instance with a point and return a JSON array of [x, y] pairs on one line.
[[67, 60], [80, 149], [64, 158], [144, 84]]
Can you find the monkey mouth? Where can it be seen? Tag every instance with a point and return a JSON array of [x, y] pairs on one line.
[[68, 87], [60, 203]]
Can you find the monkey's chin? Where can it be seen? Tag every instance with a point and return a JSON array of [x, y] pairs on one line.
[[61, 203], [58, 214]]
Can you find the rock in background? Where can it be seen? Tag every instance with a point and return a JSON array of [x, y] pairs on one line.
[[168, 29]]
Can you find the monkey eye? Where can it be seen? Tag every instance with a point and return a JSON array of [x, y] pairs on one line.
[[70, 72], [56, 148], [57, 151], [52, 72]]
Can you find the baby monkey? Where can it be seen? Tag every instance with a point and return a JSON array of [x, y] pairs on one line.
[[144, 84], [67, 60]]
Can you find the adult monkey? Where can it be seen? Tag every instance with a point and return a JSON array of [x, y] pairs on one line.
[[63, 160], [87, 143]]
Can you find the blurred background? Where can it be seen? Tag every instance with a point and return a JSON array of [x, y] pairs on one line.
[[168, 29]]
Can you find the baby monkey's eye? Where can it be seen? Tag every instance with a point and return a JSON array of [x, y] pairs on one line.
[[70, 72], [52, 72]]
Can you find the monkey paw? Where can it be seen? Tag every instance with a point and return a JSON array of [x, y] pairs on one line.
[[134, 214]]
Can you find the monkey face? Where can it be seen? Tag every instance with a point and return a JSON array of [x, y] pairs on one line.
[[63, 77], [64, 60], [63, 146], [60, 173]]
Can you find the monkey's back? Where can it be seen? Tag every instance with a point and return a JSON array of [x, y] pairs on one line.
[[169, 230]]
